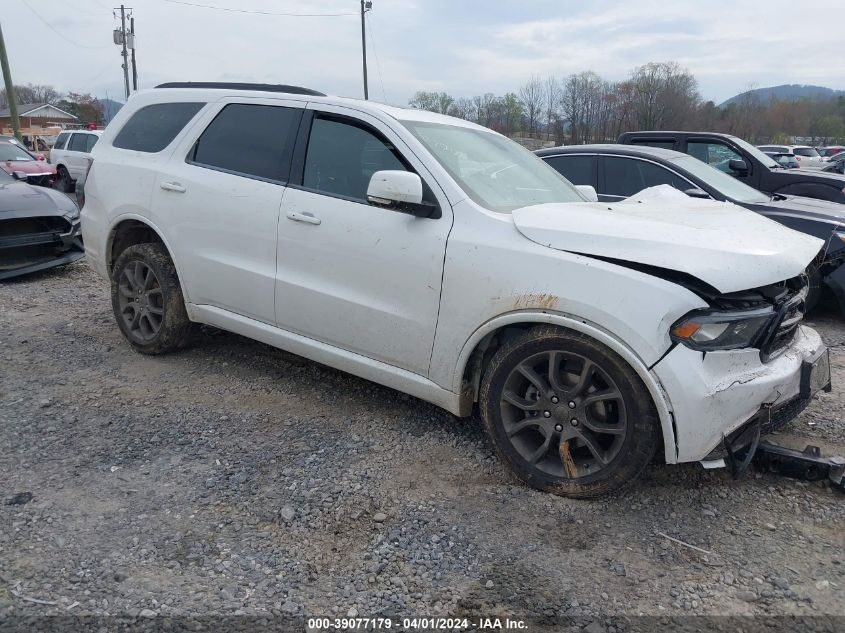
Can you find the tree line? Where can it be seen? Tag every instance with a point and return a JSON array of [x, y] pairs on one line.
[[83, 105], [585, 108]]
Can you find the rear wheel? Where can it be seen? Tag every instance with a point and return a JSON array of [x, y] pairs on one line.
[[147, 300], [66, 184], [567, 414]]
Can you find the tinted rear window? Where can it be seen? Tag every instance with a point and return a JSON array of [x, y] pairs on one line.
[[253, 140], [79, 142], [809, 152], [153, 127], [578, 170]]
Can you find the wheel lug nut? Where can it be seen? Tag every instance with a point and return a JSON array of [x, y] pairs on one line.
[[558, 427], [573, 422], [555, 400], [571, 404], [547, 414]]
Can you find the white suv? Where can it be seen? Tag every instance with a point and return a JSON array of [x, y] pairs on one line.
[[807, 157], [439, 258], [71, 154]]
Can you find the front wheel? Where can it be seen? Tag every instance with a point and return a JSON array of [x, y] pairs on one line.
[[147, 300], [66, 183], [567, 414]]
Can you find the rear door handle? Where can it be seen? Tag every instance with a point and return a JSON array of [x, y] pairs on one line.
[[305, 216], [173, 186]]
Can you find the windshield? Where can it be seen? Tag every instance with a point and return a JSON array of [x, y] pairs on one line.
[[727, 185], [756, 153], [496, 173], [13, 152]]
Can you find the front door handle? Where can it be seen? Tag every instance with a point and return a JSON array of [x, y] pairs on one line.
[[173, 186], [305, 216]]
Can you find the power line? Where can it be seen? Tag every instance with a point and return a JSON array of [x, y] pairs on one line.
[[290, 15], [378, 63], [56, 31]]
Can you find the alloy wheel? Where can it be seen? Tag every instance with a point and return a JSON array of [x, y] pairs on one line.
[[140, 301], [563, 414]]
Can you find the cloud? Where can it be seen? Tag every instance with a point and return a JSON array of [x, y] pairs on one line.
[[463, 48]]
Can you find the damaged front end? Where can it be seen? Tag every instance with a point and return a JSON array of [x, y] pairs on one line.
[[31, 244], [744, 367]]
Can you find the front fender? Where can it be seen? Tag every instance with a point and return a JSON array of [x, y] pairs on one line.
[[655, 389]]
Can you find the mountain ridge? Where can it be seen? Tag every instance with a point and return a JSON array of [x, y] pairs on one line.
[[785, 92]]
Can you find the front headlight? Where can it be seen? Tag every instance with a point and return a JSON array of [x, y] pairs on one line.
[[72, 214], [707, 331]]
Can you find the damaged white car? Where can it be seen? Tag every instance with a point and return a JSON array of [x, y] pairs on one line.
[[441, 259]]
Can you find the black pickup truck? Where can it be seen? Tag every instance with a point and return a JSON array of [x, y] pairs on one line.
[[745, 162]]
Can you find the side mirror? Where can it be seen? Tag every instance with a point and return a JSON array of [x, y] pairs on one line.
[[19, 175], [401, 191], [40, 157], [695, 192], [588, 192], [736, 164]]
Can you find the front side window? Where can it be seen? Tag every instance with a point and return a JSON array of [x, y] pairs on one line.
[[579, 170], [252, 140], [153, 127], [626, 176], [342, 157], [714, 153], [61, 139], [728, 186], [495, 172]]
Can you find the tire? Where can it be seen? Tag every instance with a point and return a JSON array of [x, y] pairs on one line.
[[147, 300], [595, 400], [66, 183]]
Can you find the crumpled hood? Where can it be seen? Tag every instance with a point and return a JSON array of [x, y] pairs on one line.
[[722, 244]]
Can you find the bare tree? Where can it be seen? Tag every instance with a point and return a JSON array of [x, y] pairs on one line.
[[532, 95], [552, 98], [432, 101]]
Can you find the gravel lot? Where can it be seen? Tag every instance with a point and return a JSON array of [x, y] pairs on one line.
[[235, 478]]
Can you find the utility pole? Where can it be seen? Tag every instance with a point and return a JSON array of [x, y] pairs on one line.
[[134, 66], [10, 89], [366, 5], [120, 39]]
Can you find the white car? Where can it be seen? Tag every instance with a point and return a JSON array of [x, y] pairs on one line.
[[439, 258], [807, 157], [71, 154]]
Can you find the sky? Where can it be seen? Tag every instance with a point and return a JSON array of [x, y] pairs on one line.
[[463, 47]]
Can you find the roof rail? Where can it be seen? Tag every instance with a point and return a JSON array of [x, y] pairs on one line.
[[296, 90]]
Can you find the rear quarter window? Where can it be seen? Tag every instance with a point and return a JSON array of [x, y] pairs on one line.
[[153, 127]]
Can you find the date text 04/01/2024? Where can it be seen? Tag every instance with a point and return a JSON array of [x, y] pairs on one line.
[[421, 623]]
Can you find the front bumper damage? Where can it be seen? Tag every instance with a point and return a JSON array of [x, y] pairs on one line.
[[40, 244], [716, 394]]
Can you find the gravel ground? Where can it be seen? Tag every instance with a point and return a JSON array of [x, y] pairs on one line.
[[233, 478]]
